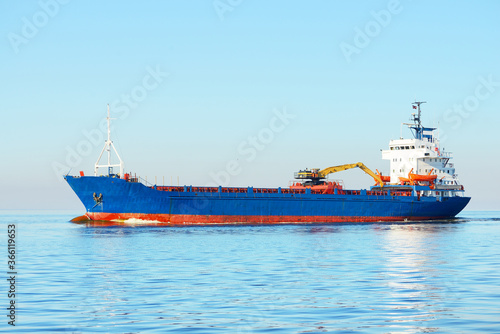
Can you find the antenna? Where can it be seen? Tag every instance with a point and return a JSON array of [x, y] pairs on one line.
[[107, 147], [416, 127], [417, 119]]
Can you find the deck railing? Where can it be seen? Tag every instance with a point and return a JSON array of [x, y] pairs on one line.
[[285, 191]]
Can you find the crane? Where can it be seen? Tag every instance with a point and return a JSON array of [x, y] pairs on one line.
[[315, 175]]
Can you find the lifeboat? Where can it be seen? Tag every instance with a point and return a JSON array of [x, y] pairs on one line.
[[422, 178]]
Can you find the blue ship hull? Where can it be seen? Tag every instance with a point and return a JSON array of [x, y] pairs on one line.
[[111, 198]]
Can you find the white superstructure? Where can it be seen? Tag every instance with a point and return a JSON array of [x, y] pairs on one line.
[[421, 155]]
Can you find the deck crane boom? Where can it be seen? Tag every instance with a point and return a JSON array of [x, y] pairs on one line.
[[315, 175]]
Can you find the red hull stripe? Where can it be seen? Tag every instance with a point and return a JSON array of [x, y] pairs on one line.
[[166, 219]]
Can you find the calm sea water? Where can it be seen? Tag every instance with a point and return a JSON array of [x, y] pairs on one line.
[[441, 277]]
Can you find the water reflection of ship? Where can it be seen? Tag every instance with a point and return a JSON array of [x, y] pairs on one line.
[[417, 275]]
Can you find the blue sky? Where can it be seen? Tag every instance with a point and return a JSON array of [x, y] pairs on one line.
[[192, 82]]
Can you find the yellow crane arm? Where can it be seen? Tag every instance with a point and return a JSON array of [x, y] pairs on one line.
[[323, 173]]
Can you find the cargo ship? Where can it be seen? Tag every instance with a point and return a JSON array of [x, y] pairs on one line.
[[422, 185]]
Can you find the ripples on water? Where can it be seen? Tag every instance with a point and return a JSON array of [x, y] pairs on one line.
[[351, 278]]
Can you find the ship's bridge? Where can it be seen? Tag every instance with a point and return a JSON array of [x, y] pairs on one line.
[[420, 155], [423, 133]]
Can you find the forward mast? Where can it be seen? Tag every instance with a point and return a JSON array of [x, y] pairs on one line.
[[108, 145]]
